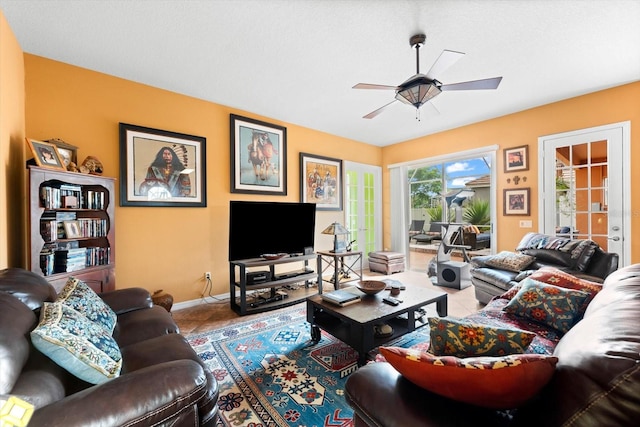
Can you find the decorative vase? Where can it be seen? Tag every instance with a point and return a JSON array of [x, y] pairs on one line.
[[162, 299]]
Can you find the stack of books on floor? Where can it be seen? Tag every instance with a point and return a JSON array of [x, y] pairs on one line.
[[341, 297]]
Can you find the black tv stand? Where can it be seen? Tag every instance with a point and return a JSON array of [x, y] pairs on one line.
[[278, 293]]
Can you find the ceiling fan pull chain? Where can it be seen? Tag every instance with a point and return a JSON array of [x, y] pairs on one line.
[[418, 114]]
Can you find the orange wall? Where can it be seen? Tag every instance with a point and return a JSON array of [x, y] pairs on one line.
[[165, 248], [12, 192], [523, 128]]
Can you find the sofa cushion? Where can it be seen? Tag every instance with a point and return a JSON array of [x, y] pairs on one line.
[[510, 261], [494, 382], [556, 277], [463, 338], [82, 347], [16, 320], [564, 252], [550, 305], [30, 288], [79, 296]]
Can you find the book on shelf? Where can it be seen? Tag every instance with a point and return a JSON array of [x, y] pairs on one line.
[[341, 297]]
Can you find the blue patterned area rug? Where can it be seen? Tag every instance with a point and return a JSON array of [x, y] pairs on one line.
[[268, 376]]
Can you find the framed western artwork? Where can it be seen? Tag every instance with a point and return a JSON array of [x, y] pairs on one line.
[[516, 159], [516, 201], [161, 168], [258, 157], [321, 181], [46, 154]]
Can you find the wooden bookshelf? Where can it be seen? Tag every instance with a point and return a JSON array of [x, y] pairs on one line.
[[71, 227]]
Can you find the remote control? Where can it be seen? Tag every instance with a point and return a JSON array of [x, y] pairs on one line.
[[391, 300]]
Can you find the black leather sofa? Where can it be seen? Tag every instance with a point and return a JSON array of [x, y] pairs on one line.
[[162, 380], [581, 258], [596, 381]]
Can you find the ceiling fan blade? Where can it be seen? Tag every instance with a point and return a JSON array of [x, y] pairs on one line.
[[446, 59], [474, 85], [372, 86], [372, 114]]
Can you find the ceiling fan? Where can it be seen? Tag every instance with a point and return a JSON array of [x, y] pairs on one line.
[[421, 88]]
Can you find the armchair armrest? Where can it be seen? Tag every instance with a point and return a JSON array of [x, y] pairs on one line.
[[380, 396], [149, 396], [129, 299]]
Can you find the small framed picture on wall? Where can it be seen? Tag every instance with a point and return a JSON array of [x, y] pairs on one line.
[[516, 201], [516, 159]]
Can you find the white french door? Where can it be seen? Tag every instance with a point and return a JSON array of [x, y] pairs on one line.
[[585, 186], [363, 207]]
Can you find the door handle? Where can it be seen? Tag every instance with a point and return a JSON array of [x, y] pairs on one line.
[[614, 238]]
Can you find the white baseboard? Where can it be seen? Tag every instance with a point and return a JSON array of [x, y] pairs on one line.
[[212, 299]]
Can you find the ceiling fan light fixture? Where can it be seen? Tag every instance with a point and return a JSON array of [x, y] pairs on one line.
[[418, 94]]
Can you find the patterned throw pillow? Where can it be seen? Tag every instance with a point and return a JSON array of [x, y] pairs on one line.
[[79, 296], [547, 304], [82, 347], [462, 338], [556, 277], [492, 382], [510, 261]]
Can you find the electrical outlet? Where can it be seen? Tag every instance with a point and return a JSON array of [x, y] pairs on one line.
[[526, 223], [207, 275]]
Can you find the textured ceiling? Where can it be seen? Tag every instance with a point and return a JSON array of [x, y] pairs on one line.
[[296, 61]]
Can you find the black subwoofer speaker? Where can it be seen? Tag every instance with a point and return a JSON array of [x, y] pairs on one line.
[[454, 274]]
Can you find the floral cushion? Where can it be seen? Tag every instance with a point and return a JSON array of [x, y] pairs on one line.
[[493, 382], [510, 261], [556, 277], [462, 338], [82, 347], [79, 296], [550, 305]]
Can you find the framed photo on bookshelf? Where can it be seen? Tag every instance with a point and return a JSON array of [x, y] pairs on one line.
[[258, 157], [161, 168], [46, 154], [68, 152], [72, 229], [321, 182]]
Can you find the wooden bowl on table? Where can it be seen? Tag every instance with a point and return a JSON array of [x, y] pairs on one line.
[[371, 287]]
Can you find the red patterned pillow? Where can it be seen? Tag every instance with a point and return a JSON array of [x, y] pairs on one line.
[[493, 382]]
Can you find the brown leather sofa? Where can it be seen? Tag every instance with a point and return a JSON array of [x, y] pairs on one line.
[[162, 380], [587, 261], [596, 381]]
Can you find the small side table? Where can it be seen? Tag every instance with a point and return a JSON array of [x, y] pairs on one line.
[[340, 266]]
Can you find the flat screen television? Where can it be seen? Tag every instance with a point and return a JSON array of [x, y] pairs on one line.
[[257, 228]]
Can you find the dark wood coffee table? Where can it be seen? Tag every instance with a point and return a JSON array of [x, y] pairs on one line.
[[354, 324]]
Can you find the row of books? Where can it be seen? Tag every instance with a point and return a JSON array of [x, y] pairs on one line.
[[72, 197], [72, 259], [53, 227]]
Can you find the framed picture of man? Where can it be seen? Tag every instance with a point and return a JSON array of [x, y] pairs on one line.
[[321, 181], [258, 157], [161, 168]]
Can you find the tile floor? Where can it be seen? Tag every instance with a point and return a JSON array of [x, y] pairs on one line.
[[208, 316]]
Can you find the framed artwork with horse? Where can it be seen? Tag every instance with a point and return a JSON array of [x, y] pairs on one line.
[[321, 181], [258, 157], [161, 168]]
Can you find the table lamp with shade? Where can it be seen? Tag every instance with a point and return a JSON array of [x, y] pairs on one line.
[[336, 229]]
